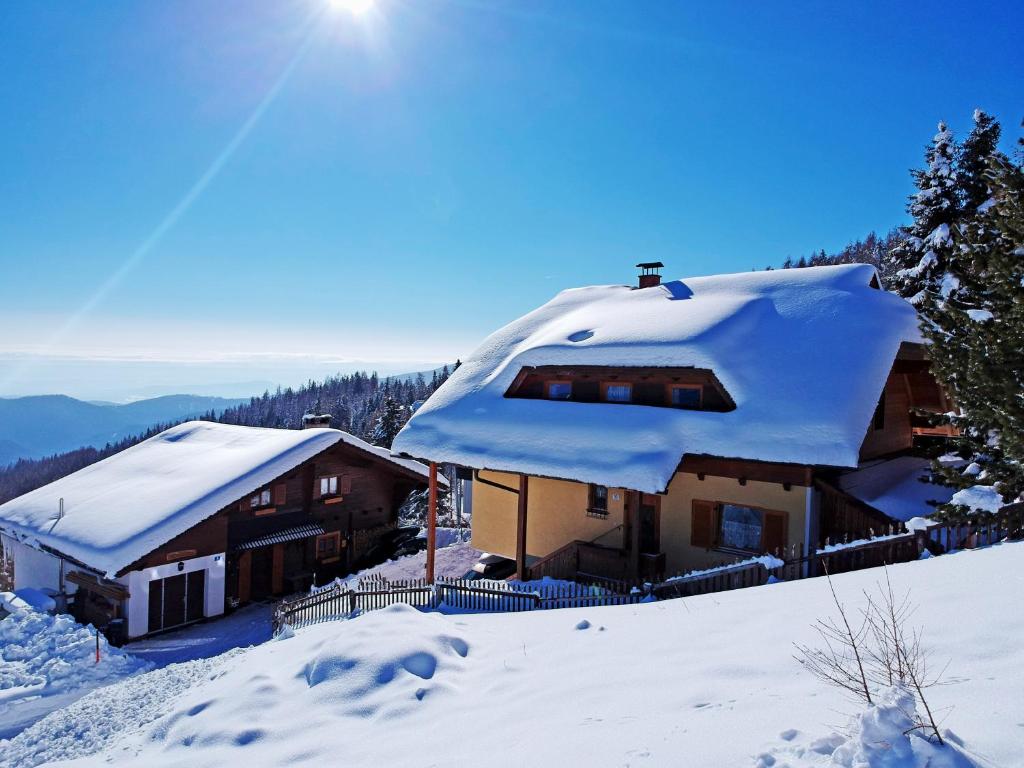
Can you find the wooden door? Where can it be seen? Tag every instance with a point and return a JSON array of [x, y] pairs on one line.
[[262, 572], [174, 600], [195, 595], [650, 524], [277, 570], [245, 577]]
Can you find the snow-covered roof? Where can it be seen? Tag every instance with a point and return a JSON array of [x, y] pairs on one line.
[[896, 487], [804, 353], [121, 508]]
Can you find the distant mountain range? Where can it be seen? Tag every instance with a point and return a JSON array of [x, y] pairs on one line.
[[31, 427]]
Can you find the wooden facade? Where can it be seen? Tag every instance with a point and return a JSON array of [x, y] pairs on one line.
[[274, 538]]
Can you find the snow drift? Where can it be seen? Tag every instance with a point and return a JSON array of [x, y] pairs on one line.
[[706, 682]]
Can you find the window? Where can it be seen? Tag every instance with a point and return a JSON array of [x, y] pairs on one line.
[[741, 527], [878, 420], [617, 393], [685, 396], [597, 504], [559, 390], [329, 486], [328, 545], [261, 499]]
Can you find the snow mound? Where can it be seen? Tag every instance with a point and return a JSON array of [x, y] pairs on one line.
[[882, 736], [357, 668], [41, 655]]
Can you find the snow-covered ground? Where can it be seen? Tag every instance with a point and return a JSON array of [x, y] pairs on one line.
[[452, 561], [705, 681], [249, 626], [47, 662]]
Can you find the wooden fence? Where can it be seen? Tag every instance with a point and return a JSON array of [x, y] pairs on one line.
[[373, 593], [344, 600]]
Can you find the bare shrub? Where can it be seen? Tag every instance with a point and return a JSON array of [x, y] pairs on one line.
[[878, 650]]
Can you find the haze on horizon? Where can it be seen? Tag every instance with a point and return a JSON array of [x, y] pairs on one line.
[[220, 196]]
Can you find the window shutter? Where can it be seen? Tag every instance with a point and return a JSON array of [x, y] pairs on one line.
[[344, 485], [280, 494], [774, 535], [702, 530]]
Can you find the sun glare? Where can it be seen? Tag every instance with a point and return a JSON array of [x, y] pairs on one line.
[[355, 7]]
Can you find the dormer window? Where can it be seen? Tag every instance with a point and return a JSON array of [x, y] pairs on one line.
[[261, 499], [686, 396], [615, 392], [694, 389], [559, 390]]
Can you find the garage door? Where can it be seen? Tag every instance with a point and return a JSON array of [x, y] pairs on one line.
[[176, 600]]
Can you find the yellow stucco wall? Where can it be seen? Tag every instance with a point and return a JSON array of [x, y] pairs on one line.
[[557, 515], [677, 507]]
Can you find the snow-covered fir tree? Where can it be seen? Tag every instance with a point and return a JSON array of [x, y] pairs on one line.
[[390, 421], [977, 334], [920, 261]]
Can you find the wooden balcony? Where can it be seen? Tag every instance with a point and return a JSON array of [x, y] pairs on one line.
[[586, 561]]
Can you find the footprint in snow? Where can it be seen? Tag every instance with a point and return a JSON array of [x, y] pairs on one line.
[[584, 624]]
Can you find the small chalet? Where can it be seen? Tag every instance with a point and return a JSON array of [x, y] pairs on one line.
[[202, 517], [638, 431]]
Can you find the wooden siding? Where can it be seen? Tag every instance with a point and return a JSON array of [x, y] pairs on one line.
[[210, 537], [896, 434]]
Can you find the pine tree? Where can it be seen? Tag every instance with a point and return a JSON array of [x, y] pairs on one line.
[[389, 422], [977, 335], [920, 260], [973, 162]]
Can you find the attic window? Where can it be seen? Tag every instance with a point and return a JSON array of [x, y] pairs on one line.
[[686, 396], [613, 392], [261, 499], [696, 389], [597, 502], [559, 390]]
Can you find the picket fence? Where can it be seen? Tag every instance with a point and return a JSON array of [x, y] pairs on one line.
[[343, 600]]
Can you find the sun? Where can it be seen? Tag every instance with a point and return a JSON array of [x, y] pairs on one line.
[[355, 7]]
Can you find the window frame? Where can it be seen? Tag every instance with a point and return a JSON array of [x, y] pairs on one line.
[[334, 536], [605, 385], [547, 391], [716, 527], [329, 479], [719, 531], [592, 508], [700, 396], [261, 499]]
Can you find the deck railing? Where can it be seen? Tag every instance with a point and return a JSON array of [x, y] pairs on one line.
[[344, 600]]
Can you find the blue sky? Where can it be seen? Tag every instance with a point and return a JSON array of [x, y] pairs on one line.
[[197, 193]]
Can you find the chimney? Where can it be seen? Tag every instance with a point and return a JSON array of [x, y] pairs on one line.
[[649, 273], [311, 420]]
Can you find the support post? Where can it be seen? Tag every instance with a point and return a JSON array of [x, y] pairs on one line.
[[432, 523], [634, 534], [524, 486]]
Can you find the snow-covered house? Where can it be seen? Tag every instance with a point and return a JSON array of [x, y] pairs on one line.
[[202, 516], [659, 428]]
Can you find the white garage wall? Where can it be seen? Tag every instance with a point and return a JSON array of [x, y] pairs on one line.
[[33, 568], [137, 610]]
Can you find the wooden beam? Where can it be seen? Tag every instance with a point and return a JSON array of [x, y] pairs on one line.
[[634, 533], [432, 522], [524, 485]]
